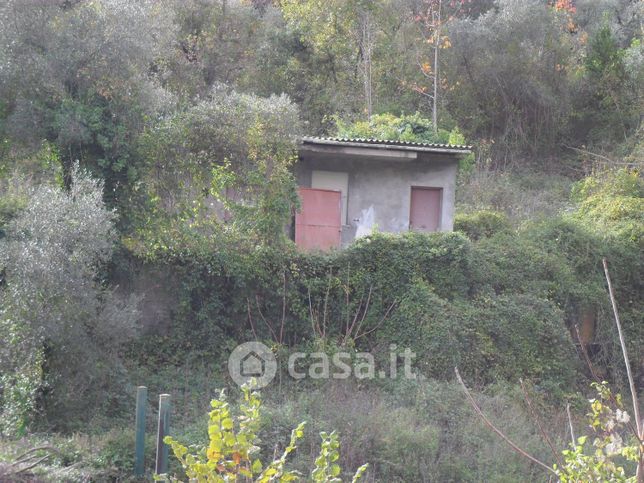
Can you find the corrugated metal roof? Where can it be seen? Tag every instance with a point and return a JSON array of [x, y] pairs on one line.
[[457, 148]]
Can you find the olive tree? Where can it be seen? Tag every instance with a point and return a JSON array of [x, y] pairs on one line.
[[512, 67], [85, 76], [61, 326], [226, 158]]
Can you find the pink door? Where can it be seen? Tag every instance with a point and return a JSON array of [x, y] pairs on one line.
[[317, 224], [425, 212]]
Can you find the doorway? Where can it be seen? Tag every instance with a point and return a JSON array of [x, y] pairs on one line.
[[318, 223], [425, 209]]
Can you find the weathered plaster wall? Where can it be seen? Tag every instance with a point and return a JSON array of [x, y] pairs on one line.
[[385, 187]]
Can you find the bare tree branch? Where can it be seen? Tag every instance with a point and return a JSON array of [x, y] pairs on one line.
[[572, 430], [636, 405], [540, 426], [478, 411], [631, 382]]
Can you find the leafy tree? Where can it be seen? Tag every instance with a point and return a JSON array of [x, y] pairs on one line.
[[432, 20], [227, 156], [218, 42], [338, 31], [61, 326], [612, 108], [81, 75], [509, 69]]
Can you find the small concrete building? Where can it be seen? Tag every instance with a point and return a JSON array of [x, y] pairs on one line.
[[351, 187]]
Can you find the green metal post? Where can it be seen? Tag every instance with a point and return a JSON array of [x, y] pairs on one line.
[[139, 445], [162, 432]]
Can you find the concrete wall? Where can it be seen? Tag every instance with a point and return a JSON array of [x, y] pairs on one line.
[[380, 190]]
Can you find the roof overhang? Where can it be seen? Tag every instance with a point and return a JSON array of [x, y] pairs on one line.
[[379, 149]]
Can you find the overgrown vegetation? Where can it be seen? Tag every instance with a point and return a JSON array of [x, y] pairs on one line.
[[61, 328], [232, 453], [146, 154]]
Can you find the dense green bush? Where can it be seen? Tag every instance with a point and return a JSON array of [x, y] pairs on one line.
[[61, 326], [613, 200], [489, 307], [611, 208], [411, 128], [480, 224], [231, 281], [227, 158], [490, 337], [502, 305]]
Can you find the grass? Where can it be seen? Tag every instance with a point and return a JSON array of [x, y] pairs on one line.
[[407, 431]]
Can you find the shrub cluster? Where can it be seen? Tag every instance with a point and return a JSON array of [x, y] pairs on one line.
[[501, 305]]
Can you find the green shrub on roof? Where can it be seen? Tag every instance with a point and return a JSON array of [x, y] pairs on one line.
[[411, 128]]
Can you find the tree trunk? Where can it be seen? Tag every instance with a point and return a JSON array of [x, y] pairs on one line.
[[366, 46], [437, 41]]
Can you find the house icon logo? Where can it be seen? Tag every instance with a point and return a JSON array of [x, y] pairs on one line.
[[252, 365], [252, 360]]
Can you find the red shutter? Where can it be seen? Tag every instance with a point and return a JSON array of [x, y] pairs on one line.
[[425, 212], [317, 224]]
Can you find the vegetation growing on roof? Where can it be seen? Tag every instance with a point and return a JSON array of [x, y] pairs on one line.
[[410, 128]]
